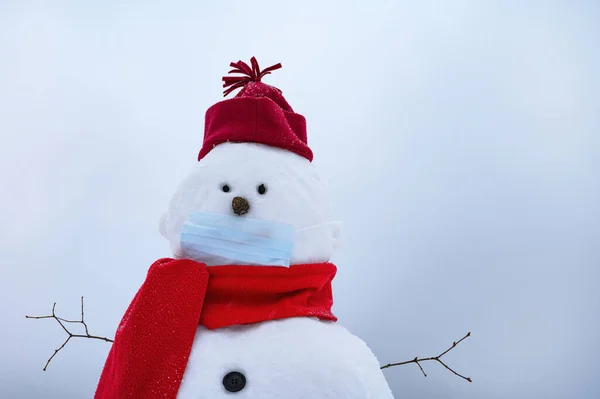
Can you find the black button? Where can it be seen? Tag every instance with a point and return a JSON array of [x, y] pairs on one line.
[[234, 381]]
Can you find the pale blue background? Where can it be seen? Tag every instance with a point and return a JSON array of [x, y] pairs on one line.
[[461, 139]]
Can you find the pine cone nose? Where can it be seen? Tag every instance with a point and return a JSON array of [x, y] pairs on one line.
[[240, 206]]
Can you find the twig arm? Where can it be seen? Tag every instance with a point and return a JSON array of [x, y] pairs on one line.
[[436, 358], [60, 321]]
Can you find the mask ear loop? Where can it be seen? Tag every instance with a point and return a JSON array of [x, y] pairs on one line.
[[336, 231], [162, 225], [316, 226]]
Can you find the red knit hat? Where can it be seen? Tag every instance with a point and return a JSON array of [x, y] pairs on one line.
[[257, 114]]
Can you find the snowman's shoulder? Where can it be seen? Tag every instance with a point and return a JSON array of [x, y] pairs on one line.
[[304, 332]]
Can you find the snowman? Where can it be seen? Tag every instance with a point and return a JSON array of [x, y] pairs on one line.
[[243, 308]]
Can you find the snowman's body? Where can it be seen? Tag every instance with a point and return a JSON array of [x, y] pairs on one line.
[[295, 358], [300, 357]]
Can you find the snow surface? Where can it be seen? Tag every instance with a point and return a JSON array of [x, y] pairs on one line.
[[296, 195], [291, 358]]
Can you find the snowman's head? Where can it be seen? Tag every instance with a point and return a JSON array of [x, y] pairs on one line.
[[257, 182], [254, 197]]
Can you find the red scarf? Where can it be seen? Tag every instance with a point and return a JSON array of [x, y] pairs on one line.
[[155, 336]]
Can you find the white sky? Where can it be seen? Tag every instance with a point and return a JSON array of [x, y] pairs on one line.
[[461, 139]]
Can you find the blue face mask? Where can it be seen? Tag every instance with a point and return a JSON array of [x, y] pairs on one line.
[[217, 239]]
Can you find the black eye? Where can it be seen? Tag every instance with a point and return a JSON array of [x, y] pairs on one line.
[[261, 189], [234, 381], [225, 188]]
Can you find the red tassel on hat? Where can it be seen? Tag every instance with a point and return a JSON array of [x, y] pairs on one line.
[[252, 75]]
